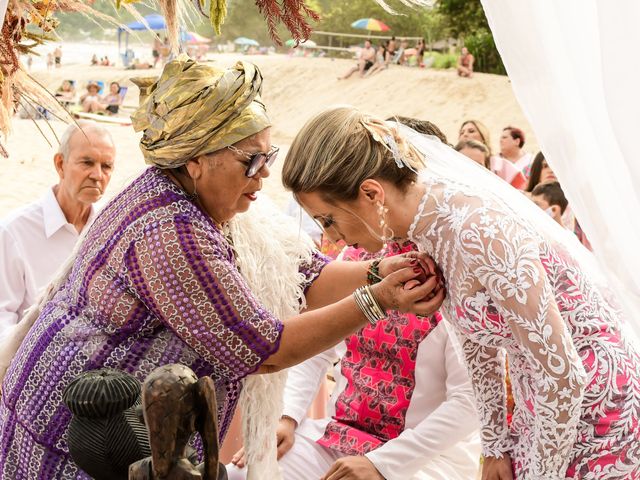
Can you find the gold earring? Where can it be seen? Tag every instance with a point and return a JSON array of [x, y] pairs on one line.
[[193, 196], [387, 232]]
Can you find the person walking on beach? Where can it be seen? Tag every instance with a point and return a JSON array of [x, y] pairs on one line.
[[57, 56], [155, 52]]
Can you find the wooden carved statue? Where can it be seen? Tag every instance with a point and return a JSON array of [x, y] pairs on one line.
[[175, 405]]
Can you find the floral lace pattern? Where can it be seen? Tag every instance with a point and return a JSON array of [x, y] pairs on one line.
[[576, 381]]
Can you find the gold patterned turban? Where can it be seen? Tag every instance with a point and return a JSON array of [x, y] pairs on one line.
[[194, 109]]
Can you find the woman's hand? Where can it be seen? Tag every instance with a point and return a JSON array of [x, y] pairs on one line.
[[402, 291], [497, 468], [353, 468], [406, 260], [285, 435]]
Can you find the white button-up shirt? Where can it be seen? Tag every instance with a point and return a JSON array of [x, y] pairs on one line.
[[440, 437], [34, 243]]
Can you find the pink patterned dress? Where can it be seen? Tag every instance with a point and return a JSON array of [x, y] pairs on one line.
[[576, 380]]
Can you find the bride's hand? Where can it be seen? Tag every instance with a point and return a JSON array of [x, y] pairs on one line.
[[406, 260], [401, 291], [497, 468]]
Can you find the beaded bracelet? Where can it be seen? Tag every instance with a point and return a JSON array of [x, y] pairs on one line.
[[373, 273], [368, 305]]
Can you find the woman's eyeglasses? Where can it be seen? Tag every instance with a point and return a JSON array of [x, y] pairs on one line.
[[256, 160]]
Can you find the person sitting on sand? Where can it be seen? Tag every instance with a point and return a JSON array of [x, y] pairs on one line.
[[112, 101], [382, 60], [392, 46], [94, 60], [90, 101], [66, 92], [465, 63], [366, 60], [400, 57]]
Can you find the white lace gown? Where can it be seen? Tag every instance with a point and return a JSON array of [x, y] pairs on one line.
[[576, 381]]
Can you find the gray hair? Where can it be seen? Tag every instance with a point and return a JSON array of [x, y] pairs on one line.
[[80, 125]]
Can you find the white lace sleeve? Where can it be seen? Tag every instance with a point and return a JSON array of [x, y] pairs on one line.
[[486, 370], [504, 261]]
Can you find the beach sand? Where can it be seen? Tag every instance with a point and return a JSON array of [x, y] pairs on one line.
[[294, 89]]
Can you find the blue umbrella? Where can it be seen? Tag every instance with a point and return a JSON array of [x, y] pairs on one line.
[[155, 21], [246, 41]]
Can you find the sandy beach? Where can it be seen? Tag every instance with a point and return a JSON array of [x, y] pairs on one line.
[[294, 89]]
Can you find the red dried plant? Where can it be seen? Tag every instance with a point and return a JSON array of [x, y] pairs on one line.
[[292, 13]]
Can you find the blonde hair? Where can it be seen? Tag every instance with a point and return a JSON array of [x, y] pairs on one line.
[[462, 144], [482, 129], [340, 148]]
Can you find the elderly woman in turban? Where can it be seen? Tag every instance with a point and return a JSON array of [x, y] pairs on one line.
[[166, 274]]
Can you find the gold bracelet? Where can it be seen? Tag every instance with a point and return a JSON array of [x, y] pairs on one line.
[[368, 305]]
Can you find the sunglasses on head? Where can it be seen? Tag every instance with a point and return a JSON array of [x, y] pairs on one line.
[[256, 160]]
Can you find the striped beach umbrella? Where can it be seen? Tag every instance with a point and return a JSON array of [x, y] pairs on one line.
[[370, 24]]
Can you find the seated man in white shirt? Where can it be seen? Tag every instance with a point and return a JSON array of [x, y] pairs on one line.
[[402, 408], [37, 239]]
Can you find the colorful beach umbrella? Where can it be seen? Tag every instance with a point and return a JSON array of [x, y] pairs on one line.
[[193, 37], [370, 24], [246, 41]]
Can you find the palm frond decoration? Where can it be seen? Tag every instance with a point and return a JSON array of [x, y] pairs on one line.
[[19, 37]]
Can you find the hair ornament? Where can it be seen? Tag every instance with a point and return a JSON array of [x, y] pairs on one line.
[[381, 133], [392, 145]]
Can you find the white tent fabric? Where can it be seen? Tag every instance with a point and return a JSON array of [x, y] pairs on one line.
[[3, 10], [575, 71]]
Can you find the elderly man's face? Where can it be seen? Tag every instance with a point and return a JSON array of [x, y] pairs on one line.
[[85, 174], [223, 188]]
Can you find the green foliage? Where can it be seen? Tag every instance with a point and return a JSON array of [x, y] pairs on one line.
[[243, 20], [466, 20], [483, 48], [464, 17], [442, 60]]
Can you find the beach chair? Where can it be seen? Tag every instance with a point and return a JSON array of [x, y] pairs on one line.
[[122, 93], [67, 102]]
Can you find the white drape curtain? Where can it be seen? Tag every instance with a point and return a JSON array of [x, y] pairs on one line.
[[3, 10], [575, 70]]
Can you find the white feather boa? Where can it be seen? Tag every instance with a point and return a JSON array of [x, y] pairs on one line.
[[270, 248]]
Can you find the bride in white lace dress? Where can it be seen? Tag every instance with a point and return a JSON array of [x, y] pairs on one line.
[[516, 284]]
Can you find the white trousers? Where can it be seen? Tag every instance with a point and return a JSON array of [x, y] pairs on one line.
[[307, 460]]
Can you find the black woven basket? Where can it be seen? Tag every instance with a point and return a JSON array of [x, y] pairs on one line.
[[106, 433]]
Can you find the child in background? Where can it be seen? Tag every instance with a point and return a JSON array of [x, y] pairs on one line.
[[550, 198]]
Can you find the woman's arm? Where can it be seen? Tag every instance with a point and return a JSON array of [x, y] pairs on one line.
[[186, 278], [504, 259], [339, 279], [315, 331]]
